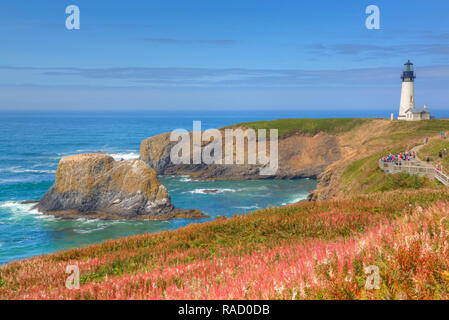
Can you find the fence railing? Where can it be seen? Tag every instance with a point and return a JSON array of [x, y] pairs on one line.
[[390, 167], [440, 176]]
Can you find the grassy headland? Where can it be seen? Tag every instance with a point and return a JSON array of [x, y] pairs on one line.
[[358, 172], [305, 126]]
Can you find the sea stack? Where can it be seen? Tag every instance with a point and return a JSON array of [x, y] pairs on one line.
[[94, 185]]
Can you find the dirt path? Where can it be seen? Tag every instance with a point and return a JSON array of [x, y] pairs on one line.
[[419, 161]]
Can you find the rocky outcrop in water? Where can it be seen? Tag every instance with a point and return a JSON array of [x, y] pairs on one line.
[[95, 186]]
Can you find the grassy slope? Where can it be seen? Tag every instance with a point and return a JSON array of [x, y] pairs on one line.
[[411, 133], [170, 264], [307, 126], [432, 149], [364, 176]]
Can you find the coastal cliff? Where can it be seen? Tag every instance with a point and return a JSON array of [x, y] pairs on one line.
[[342, 154], [96, 186], [301, 155]]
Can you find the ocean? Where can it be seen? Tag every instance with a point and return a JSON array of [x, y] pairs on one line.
[[32, 143]]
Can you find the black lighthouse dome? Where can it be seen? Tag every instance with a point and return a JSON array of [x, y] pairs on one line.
[[408, 75]]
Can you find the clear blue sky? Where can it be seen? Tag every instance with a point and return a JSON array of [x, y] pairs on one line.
[[221, 55]]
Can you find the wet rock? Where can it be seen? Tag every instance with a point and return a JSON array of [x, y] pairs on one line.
[[95, 186]]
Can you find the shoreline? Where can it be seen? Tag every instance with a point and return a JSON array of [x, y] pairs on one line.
[[104, 216], [100, 231]]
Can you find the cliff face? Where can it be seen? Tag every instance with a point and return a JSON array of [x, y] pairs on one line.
[[365, 140], [94, 185], [155, 151], [300, 156], [307, 155]]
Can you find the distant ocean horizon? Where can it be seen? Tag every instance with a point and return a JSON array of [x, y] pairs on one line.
[[32, 143], [239, 114]]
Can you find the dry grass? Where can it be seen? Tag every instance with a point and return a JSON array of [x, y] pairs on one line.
[[305, 251]]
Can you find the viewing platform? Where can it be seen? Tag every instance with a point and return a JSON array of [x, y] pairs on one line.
[[414, 166]]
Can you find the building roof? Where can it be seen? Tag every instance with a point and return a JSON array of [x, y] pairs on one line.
[[422, 110]]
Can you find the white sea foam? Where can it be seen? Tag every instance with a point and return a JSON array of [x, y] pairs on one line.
[[14, 180], [35, 211], [247, 207], [210, 191], [296, 199], [85, 231], [23, 170], [187, 179], [125, 156], [254, 188], [45, 217], [18, 209], [131, 155], [16, 206], [87, 220]]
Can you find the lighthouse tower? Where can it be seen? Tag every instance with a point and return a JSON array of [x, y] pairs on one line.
[[408, 91]]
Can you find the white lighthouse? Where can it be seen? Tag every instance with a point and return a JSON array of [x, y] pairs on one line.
[[408, 90], [407, 109]]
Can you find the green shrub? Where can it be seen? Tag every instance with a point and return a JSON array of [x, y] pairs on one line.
[[404, 181]]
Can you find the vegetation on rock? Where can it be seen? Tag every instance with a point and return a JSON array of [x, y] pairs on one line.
[[305, 126]]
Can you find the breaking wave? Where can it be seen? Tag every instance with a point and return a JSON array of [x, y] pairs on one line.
[[296, 199], [248, 207], [125, 156], [22, 170], [210, 191]]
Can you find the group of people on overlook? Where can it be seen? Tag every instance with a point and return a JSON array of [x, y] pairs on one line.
[[399, 157]]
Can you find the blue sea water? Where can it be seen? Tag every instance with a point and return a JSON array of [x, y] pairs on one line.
[[32, 143]]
